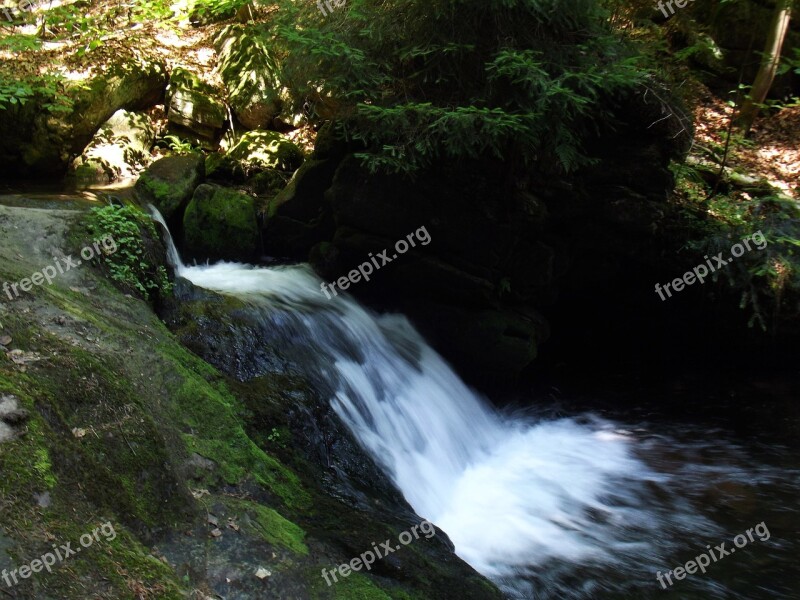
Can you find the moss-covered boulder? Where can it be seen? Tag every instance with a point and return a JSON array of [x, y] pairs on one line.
[[214, 486], [250, 72], [194, 109], [220, 223], [169, 183], [256, 151]]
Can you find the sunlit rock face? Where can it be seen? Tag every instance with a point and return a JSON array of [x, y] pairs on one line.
[[118, 151], [194, 109], [250, 73], [41, 139]]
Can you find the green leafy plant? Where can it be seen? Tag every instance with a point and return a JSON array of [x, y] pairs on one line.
[[176, 144], [50, 87], [275, 437], [767, 280], [135, 263]]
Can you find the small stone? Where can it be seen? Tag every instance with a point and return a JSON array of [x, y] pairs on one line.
[[5, 340], [212, 520], [78, 432], [263, 573], [43, 499], [216, 533]]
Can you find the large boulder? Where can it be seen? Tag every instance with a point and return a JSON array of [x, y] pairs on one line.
[[194, 109], [256, 151], [118, 151], [40, 137], [249, 69], [169, 183], [296, 218], [220, 223]]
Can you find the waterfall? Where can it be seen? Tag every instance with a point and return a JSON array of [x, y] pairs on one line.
[[522, 499]]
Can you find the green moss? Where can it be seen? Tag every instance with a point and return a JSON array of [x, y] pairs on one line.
[[353, 587], [221, 223], [359, 587], [158, 188], [214, 430], [127, 566], [271, 526], [24, 462]]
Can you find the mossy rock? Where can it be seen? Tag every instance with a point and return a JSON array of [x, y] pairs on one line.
[[168, 183], [118, 150], [194, 107], [126, 426], [250, 71], [255, 152], [268, 183], [220, 223]]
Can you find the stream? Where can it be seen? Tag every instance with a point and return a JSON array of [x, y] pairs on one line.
[[568, 506]]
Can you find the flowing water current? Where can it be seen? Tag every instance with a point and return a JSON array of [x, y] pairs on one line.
[[575, 506]]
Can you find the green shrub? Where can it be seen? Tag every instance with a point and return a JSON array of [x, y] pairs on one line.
[[135, 264], [524, 81]]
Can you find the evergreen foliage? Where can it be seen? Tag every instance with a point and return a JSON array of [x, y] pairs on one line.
[[416, 81]]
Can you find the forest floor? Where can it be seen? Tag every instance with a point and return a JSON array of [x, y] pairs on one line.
[[771, 151]]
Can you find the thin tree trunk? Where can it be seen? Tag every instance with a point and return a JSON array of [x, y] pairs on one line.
[[769, 64]]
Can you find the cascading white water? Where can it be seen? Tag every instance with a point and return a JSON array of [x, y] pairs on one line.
[[517, 496]]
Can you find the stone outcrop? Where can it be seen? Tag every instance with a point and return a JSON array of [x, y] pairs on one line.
[[195, 109], [38, 141], [118, 151], [170, 182]]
